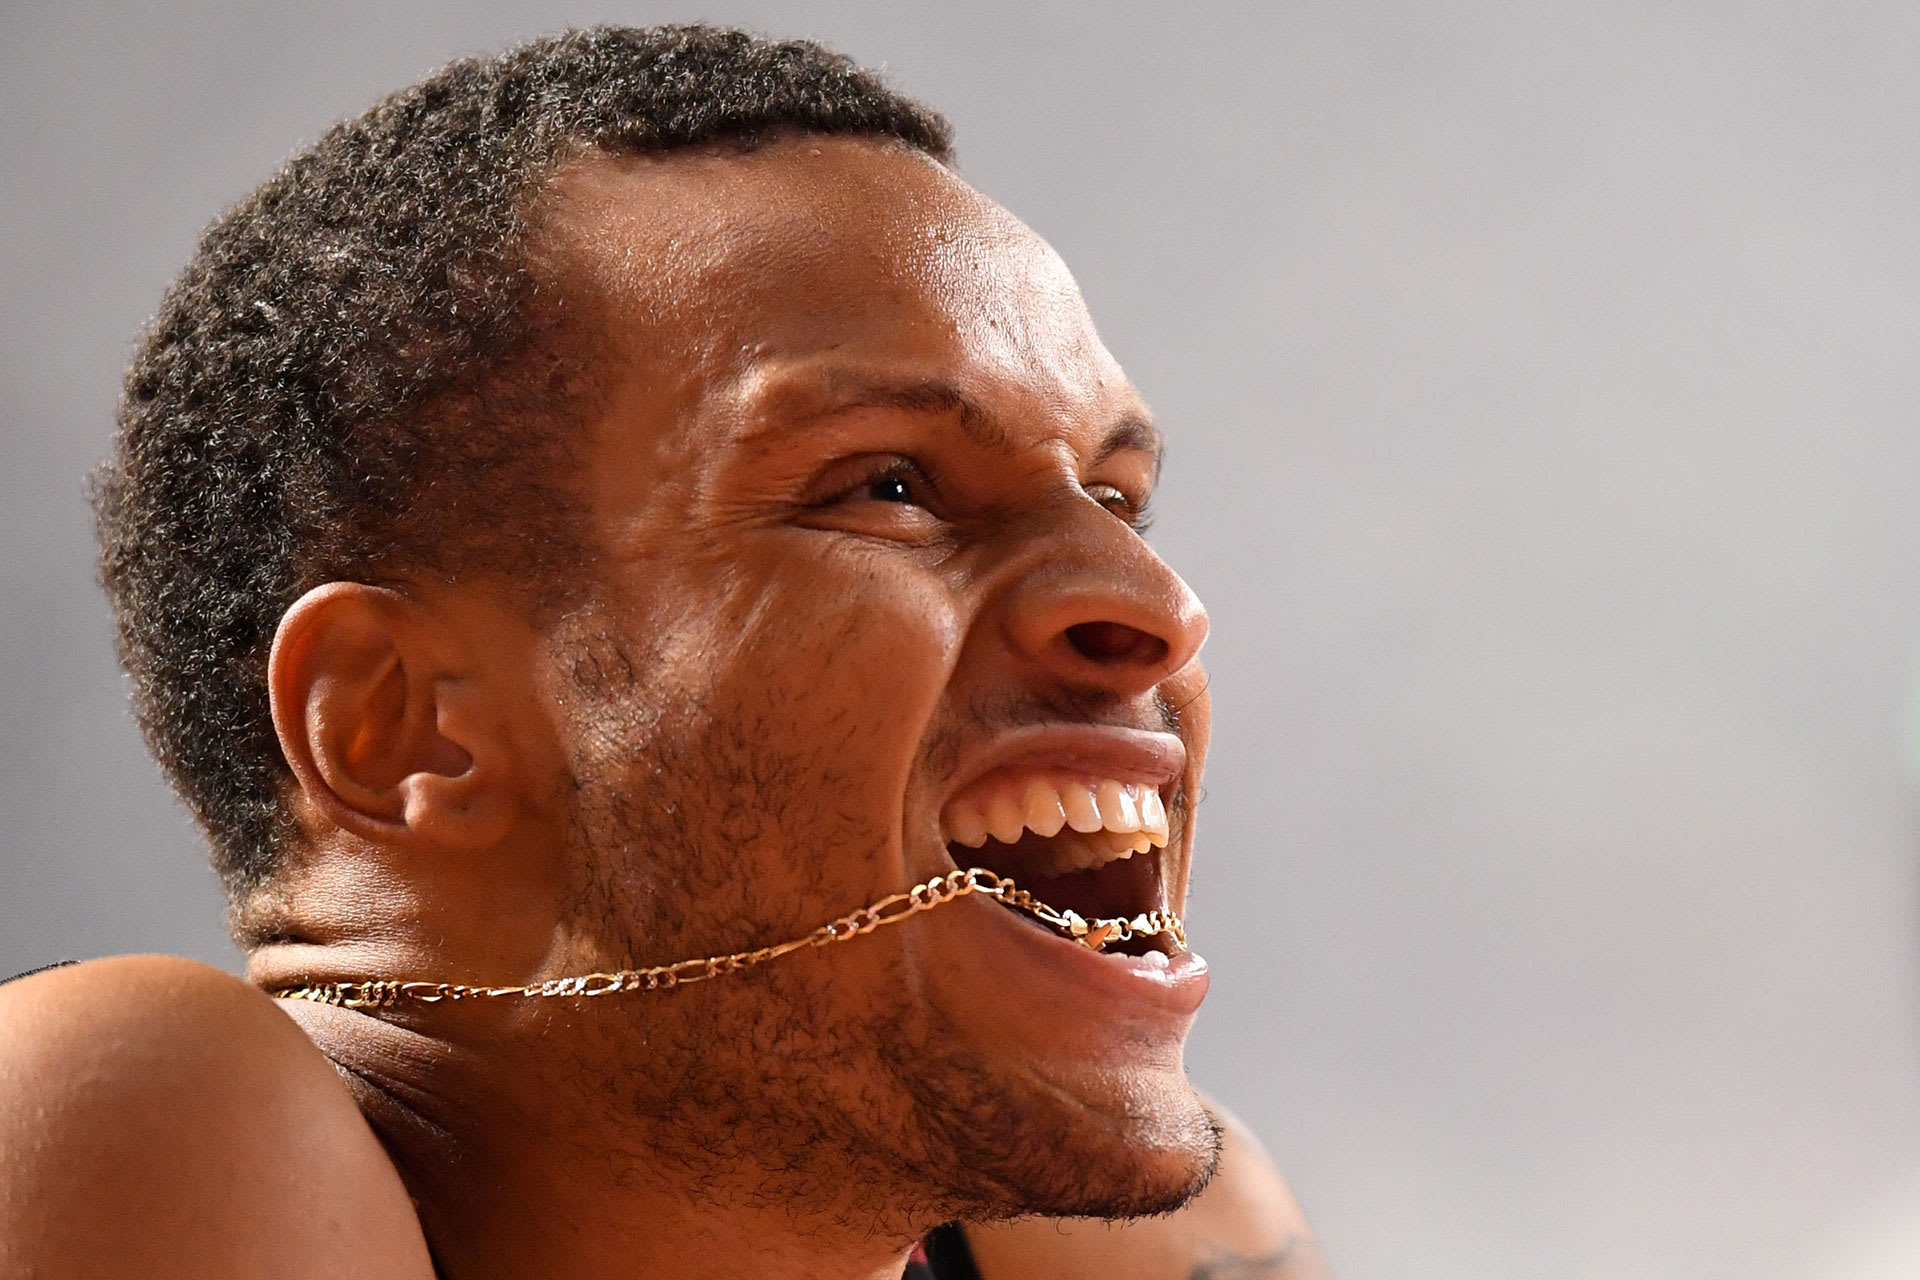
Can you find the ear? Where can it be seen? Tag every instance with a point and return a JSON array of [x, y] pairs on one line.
[[385, 725]]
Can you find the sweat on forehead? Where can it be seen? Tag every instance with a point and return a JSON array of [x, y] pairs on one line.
[[808, 244]]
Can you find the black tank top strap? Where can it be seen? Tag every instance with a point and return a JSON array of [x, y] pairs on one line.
[[943, 1255]]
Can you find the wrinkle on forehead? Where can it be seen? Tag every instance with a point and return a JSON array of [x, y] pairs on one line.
[[718, 259]]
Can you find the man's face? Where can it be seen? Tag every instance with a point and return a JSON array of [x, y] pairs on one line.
[[868, 592]]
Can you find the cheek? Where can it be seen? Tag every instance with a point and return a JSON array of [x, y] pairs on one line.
[[850, 665], [823, 674], [842, 639]]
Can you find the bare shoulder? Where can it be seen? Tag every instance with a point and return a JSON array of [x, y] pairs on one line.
[[1245, 1226], [159, 1117]]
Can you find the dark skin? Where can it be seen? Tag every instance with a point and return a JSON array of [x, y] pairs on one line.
[[859, 501]]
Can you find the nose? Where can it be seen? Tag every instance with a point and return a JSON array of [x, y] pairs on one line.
[[1097, 609]]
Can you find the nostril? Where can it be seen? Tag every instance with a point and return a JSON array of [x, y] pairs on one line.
[[1111, 642]]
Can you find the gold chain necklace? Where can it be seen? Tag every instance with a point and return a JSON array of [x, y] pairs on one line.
[[1096, 935]]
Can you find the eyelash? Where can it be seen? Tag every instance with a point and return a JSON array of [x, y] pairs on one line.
[[1136, 515], [916, 476]]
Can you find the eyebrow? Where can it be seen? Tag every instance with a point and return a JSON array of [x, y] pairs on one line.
[[931, 396], [1131, 432]]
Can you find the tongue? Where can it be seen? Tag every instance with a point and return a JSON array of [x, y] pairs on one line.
[[1097, 894]]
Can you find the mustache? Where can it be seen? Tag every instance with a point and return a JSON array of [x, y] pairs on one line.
[[991, 714], [1023, 709]]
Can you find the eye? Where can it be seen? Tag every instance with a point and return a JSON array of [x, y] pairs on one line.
[[894, 480], [890, 488], [1132, 510], [881, 495]]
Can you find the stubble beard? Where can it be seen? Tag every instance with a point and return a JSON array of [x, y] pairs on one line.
[[765, 1084]]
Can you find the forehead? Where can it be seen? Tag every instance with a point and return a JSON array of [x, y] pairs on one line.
[[721, 270]]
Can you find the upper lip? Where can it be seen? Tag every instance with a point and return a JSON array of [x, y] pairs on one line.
[[1098, 751]]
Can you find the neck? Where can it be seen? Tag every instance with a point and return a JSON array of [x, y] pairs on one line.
[[517, 1169]]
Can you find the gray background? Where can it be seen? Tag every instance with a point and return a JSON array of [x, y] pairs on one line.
[[1542, 394]]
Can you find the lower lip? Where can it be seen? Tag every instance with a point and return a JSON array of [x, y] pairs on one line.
[[1177, 989]]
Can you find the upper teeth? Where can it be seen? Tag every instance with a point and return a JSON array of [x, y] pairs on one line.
[[1044, 804]]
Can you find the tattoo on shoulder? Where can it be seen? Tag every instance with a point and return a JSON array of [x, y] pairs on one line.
[[1289, 1262]]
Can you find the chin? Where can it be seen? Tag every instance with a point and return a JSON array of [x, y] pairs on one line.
[[1144, 1145], [1158, 1183], [1138, 1167]]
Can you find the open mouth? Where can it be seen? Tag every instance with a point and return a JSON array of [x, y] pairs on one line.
[[1083, 847]]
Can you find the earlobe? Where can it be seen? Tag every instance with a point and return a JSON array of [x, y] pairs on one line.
[[380, 725]]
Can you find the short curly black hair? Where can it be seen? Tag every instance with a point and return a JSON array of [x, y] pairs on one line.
[[364, 373]]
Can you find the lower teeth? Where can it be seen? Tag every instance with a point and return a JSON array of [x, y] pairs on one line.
[[1156, 959]]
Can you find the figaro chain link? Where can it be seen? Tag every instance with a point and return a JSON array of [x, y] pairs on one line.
[[1096, 935]]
